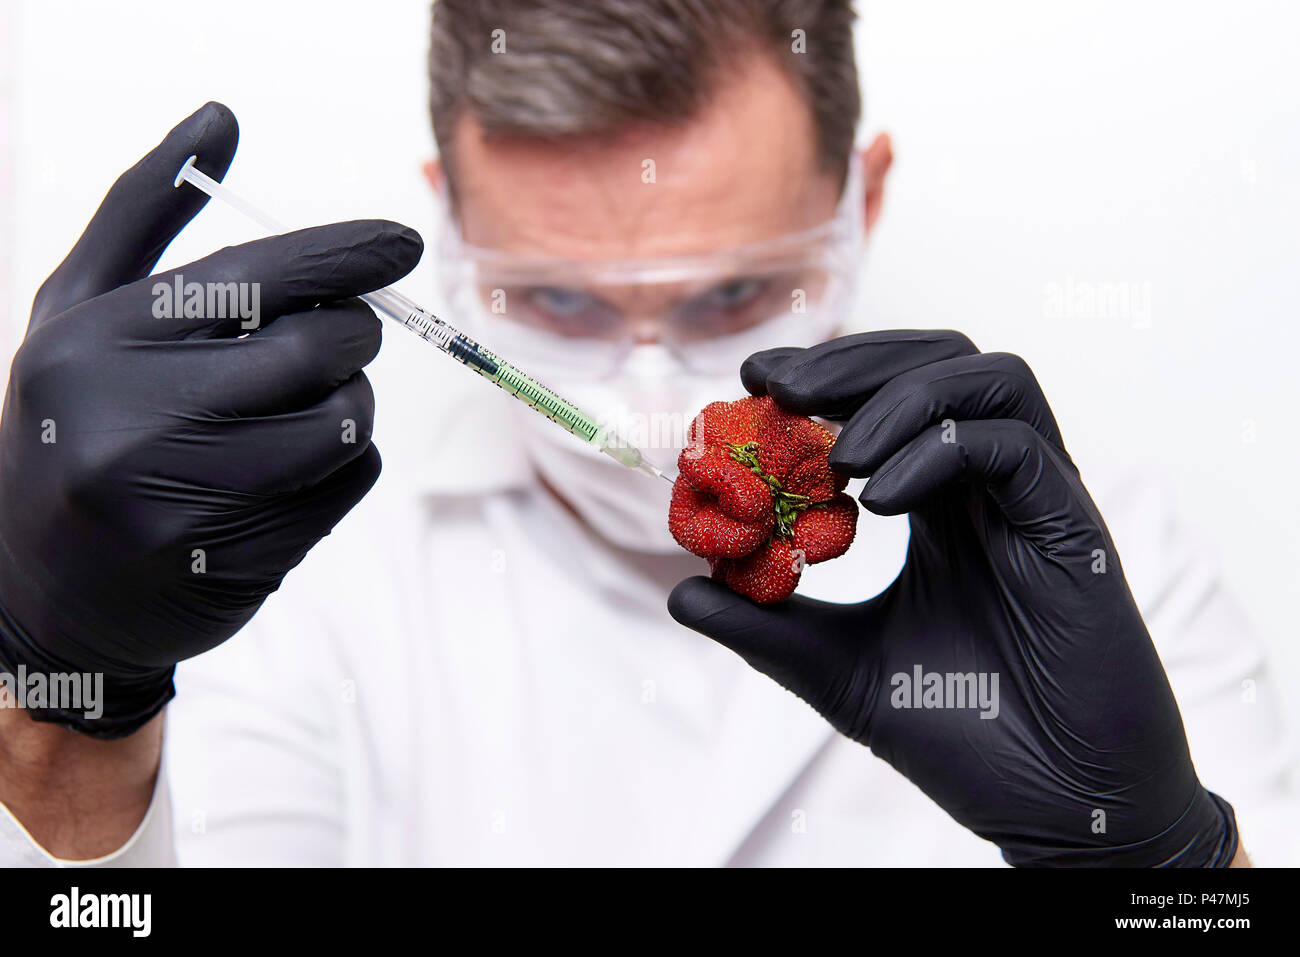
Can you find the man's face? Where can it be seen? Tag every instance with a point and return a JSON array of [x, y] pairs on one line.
[[745, 169]]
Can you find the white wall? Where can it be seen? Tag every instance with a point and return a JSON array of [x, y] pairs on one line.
[[1134, 146], [1147, 143]]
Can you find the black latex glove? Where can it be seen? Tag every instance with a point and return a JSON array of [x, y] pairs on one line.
[[159, 476], [1003, 575]]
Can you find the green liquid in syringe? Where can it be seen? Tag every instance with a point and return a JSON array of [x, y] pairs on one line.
[[519, 385]]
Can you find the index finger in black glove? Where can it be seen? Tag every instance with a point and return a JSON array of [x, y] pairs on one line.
[[833, 379]]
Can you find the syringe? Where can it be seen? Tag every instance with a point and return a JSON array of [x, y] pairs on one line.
[[391, 303]]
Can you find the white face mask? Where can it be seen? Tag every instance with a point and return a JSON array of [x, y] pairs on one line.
[[651, 405]]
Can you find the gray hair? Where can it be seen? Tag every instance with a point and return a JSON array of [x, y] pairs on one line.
[[555, 68]]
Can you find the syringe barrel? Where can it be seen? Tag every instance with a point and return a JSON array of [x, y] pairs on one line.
[[487, 364]]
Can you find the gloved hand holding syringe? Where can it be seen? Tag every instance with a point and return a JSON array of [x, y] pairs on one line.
[[391, 303]]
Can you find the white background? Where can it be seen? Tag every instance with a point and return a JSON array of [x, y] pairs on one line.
[[1151, 145]]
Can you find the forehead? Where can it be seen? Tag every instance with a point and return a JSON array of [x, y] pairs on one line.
[[745, 168]]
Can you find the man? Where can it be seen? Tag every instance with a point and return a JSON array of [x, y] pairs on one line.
[[481, 666]]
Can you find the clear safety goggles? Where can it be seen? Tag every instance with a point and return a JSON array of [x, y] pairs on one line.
[[582, 319]]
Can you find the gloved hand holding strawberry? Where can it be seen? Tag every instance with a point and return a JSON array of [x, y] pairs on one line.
[[755, 496], [1010, 574]]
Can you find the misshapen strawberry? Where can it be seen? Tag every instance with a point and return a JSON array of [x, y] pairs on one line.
[[755, 495]]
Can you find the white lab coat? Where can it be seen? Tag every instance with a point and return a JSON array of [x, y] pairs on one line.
[[463, 673]]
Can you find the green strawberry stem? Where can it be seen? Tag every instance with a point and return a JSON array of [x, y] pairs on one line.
[[788, 505]]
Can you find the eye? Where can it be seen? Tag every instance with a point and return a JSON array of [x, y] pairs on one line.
[[562, 311], [558, 301], [728, 307], [733, 293]]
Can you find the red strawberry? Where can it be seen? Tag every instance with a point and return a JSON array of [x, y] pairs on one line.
[[756, 496], [768, 575], [789, 441], [702, 526], [722, 422], [826, 531], [738, 491]]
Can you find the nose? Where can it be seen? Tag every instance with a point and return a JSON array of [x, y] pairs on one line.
[[646, 331]]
